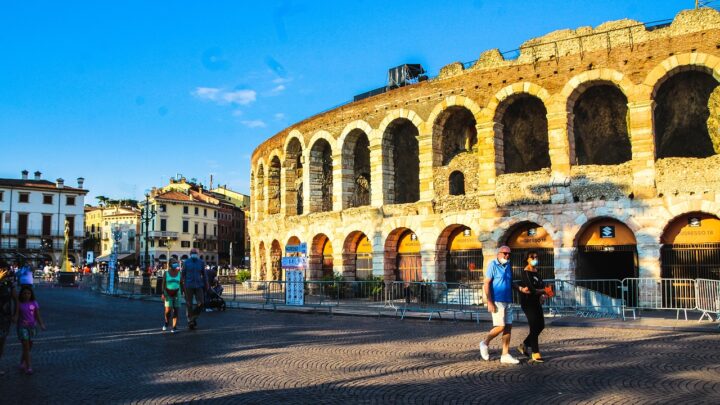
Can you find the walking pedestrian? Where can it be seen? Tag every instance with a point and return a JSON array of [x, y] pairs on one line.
[[25, 275], [498, 288], [195, 280], [531, 303], [171, 295], [8, 302], [28, 316]]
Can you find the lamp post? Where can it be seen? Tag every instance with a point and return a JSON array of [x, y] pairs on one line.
[[146, 214]]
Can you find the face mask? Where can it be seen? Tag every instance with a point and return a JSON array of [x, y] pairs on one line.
[[193, 256], [533, 262], [503, 260], [174, 266]]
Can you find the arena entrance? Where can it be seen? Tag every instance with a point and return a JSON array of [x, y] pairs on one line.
[[357, 257], [409, 260], [691, 247], [607, 250], [275, 260], [531, 237], [464, 260]]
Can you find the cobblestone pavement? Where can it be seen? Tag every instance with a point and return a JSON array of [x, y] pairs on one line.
[[100, 349]]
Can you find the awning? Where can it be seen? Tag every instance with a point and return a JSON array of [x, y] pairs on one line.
[[120, 257]]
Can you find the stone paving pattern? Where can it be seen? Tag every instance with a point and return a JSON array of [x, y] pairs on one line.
[[100, 349]]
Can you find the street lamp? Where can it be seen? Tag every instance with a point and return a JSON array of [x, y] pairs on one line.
[[146, 214]]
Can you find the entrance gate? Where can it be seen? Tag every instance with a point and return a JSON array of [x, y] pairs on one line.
[[531, 237]]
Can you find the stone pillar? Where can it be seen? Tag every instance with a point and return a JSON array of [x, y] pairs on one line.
[[425, 151], [564, 262], [642, 140], [306, 181], [338, 190], [649, 260], [560, 143], [429, 269], [347, 265], [376, 174], [488, 160], [283, 190]]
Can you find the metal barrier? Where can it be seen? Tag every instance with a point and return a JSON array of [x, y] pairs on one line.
[[668, 293], [707, 296], [427, 297]]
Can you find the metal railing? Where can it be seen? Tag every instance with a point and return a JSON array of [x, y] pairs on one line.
[[707, 297]]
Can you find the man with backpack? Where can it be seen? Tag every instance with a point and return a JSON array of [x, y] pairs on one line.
[[195, 279]]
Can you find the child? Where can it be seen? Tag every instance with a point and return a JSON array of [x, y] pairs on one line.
[[28, 315]]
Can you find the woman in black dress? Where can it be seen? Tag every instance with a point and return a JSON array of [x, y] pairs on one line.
[[531, 302]]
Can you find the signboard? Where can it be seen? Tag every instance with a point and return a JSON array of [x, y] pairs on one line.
[[694, 222], [409, 243], [364, 246], [607, 231], [465, 240], [693, 228], [300, 248], [293, 262], [90, 257], [294, 287]]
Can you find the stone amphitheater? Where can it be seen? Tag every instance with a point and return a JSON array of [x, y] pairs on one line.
[[598, 148]]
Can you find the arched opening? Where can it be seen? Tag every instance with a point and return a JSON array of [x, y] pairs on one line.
[[273, 192], [401, 163], [321, 177], [293, 178], [275, 260], [530, 237], [454, 132], [409, 259], [525, 135], [357, 257], [600, 126], [682, 115], [607, 249], [457, 183], [459, 253], [262, 264], [260, 190], [691, 247], [356, 170], [320, 263]]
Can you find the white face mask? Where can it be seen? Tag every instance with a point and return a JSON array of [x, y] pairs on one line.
[[193, 256], [503, 260], [533, 262]]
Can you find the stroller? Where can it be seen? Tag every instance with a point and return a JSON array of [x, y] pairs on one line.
[[213, 299]]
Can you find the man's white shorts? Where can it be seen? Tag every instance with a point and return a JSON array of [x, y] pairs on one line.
[[504, 314]]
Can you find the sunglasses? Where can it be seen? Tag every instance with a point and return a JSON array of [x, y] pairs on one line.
[[505, 253]]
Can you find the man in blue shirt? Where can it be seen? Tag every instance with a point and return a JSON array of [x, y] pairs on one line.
[[196, 283], [498, 288]]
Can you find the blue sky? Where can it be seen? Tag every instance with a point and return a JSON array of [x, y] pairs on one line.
[[128, 94]]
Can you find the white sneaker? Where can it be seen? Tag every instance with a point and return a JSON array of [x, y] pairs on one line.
[[164, 328], [484, 352], [509, 359]]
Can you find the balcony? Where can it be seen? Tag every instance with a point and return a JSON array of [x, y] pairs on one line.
[[162, 234], [32, 245]]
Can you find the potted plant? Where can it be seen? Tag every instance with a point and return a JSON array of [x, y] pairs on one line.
[[243, 276]]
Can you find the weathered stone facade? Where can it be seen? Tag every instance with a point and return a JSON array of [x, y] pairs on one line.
[[511, 128]]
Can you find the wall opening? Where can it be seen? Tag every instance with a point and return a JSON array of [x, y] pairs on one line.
[[274, 186], [293, 178], [459, 256], [456, 131], [320, 261], [691, 247], [457, 183], [600, 128], [529, 237], [401, 163], [681, 116], [356, 170], [260, 189], [262, 263], [525, 135], [275, 260], [357, 257], [321, 177]]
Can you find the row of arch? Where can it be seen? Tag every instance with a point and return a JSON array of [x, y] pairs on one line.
[[590, 119], [605, 248]]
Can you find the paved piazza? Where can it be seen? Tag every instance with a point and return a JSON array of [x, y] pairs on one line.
[[100, 349]]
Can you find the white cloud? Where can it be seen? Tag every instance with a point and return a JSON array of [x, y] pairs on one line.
[[254, 123], [279, 116], [281, 80], [237, 113], [224, 97], [278, 88]]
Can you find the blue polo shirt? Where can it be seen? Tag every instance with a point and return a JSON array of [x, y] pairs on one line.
[[501, 281], [194, 273]]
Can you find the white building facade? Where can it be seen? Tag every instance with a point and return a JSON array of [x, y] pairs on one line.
[[32, 219]]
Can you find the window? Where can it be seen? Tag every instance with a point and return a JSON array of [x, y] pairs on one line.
[[163, 208], [204, 212], [186, 210], [24, 197], [215, 230], [196, 228], [163, 224], [185, 243], [205, 229], [186, 226], [1, 195], [214, 214], [197, 211], [70, 200], [47, 199]]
